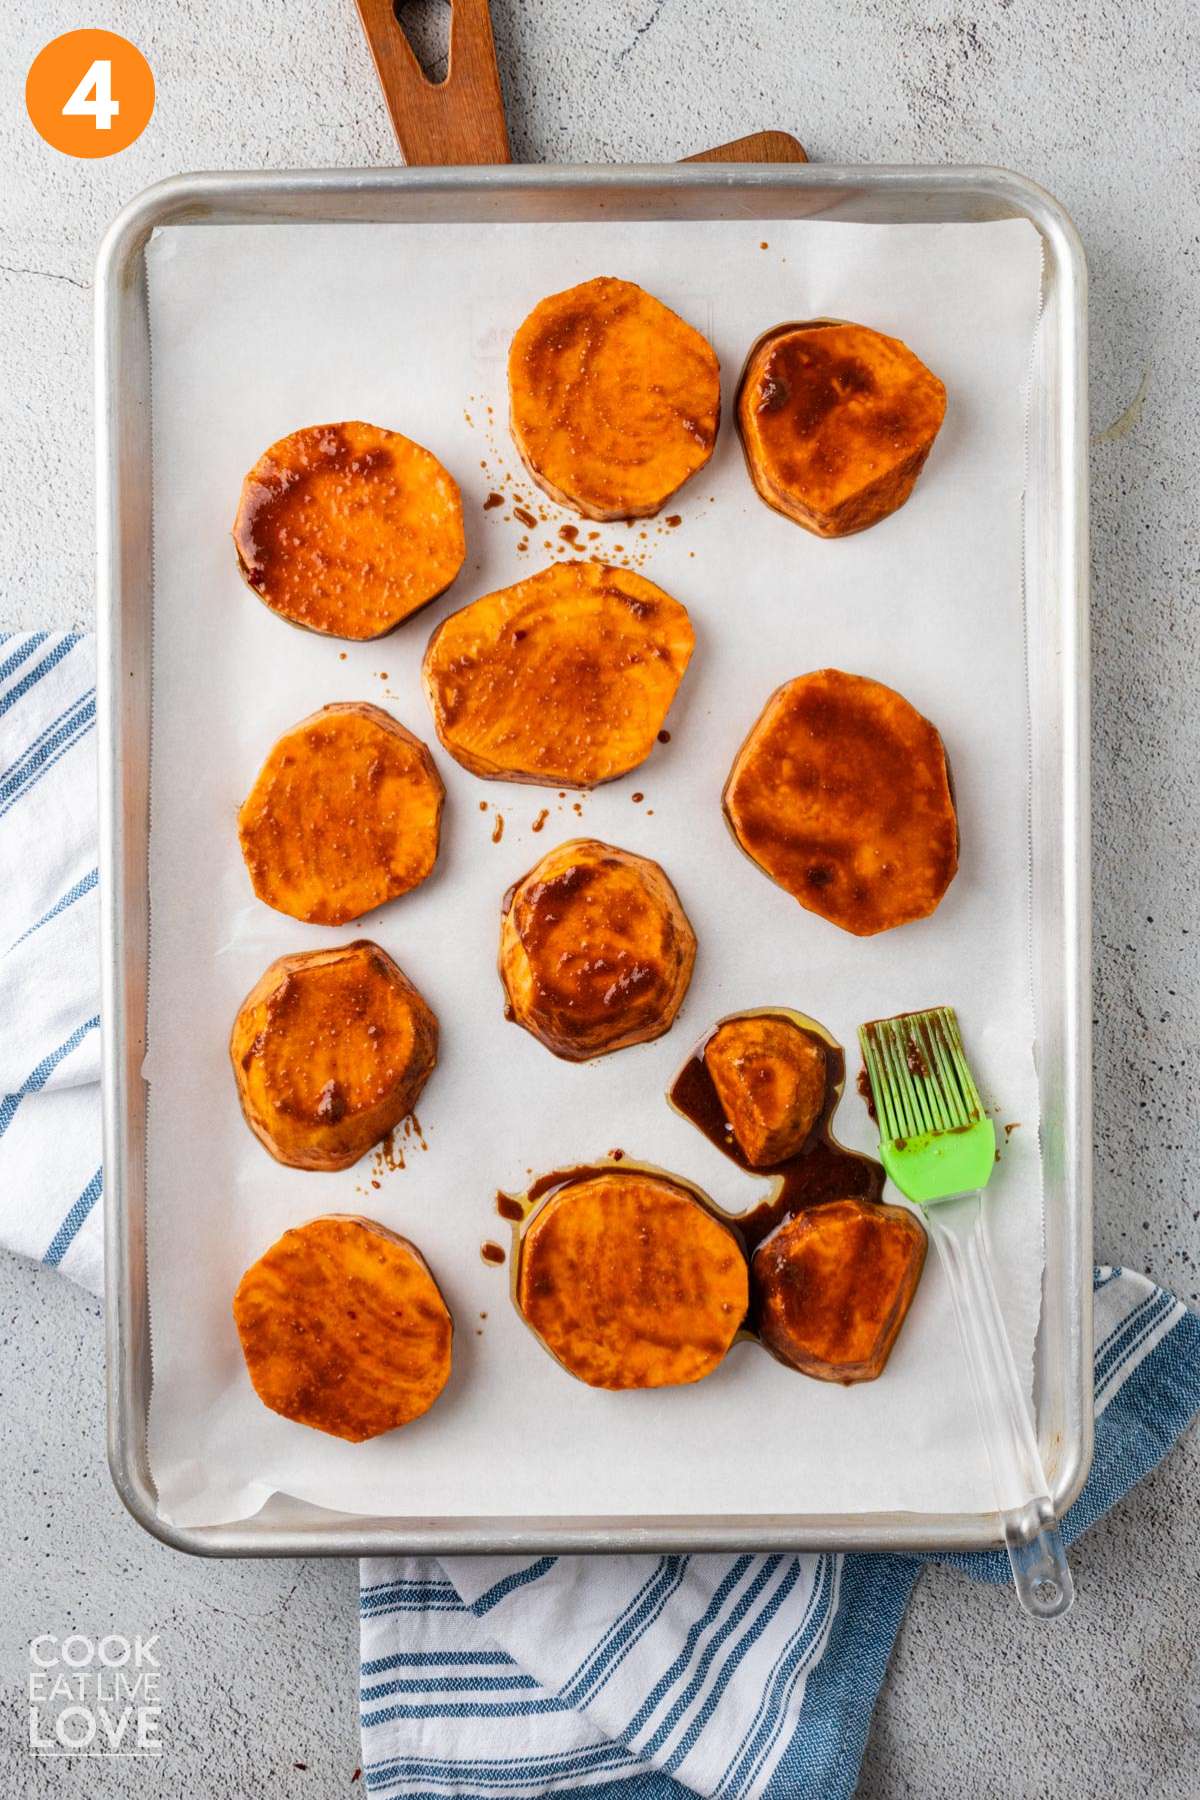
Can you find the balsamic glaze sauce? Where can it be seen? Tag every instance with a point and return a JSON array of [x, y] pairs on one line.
[[822, 1170]]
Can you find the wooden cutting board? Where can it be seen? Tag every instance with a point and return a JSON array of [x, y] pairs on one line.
[[461, 119]]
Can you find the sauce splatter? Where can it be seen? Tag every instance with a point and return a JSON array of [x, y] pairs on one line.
[[664, 737], [389, 1154], [491, 1253], [540, 821], [637, 798], [675, 519], [493, 500], [498, 828], [525, 516]]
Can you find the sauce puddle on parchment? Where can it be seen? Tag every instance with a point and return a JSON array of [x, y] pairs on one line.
[[822, 1170]]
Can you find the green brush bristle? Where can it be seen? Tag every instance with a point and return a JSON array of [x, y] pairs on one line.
[[934, 1138], [918, 1073]]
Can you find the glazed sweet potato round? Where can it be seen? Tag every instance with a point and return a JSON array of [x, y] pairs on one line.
[[770, 1078], [836, 421], [343, 1328], [841, 794], [345, 815], [630, 1282], [331, 1049], [563, 679], [596, 951], [348, 529], [833, 1287], [615, 400]]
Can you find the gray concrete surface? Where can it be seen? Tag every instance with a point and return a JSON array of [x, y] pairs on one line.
[[1099, 103]]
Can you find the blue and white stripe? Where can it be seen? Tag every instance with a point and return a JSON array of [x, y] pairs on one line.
[[656, 1678], [50, 1181]]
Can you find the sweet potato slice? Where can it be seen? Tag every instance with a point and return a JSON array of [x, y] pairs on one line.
[[563, 679], [631, 1282], [348, 529], [841, 794], [833, 1286], [330, 1050], [343, 1328], [770, 1079], [836, 421], [615, 401], [596, 951], [345, 815]]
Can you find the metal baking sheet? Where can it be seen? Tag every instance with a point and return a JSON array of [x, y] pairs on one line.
[[1055, 530]]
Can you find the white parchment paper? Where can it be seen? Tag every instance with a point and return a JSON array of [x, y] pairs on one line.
[[257, 331]]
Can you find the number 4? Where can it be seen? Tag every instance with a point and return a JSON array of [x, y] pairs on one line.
[[93, 97]]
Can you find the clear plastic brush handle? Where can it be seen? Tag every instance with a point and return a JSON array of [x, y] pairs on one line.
[[1035, 1547]]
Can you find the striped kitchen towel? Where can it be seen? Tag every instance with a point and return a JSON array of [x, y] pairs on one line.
[[659, 1677], [628, 1678], [49, 978]]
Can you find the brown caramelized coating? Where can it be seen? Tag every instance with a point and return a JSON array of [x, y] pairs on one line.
[[596, 951], [348, 529], [330, 1050], [343, 1328], [563, 679], [836, 421], [841, 794], [615, 400], [345, 814], [770, 1079], [833, 1286], [630, 1282]]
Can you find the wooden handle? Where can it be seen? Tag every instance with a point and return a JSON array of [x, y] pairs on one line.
[[760, 146], [458, 120], [461, 119]]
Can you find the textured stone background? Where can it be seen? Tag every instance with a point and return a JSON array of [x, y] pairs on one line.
[[1098, 102]]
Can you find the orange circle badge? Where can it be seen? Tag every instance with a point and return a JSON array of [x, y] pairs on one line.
[[90, 93]]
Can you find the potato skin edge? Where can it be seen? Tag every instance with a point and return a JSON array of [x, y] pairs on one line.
[[360, 637], [487, 770], [864, 932], [855, 1374], [689, 1191], [829, 528], [511, 941], [384, 721], [377, 1229], [321, 1162]]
